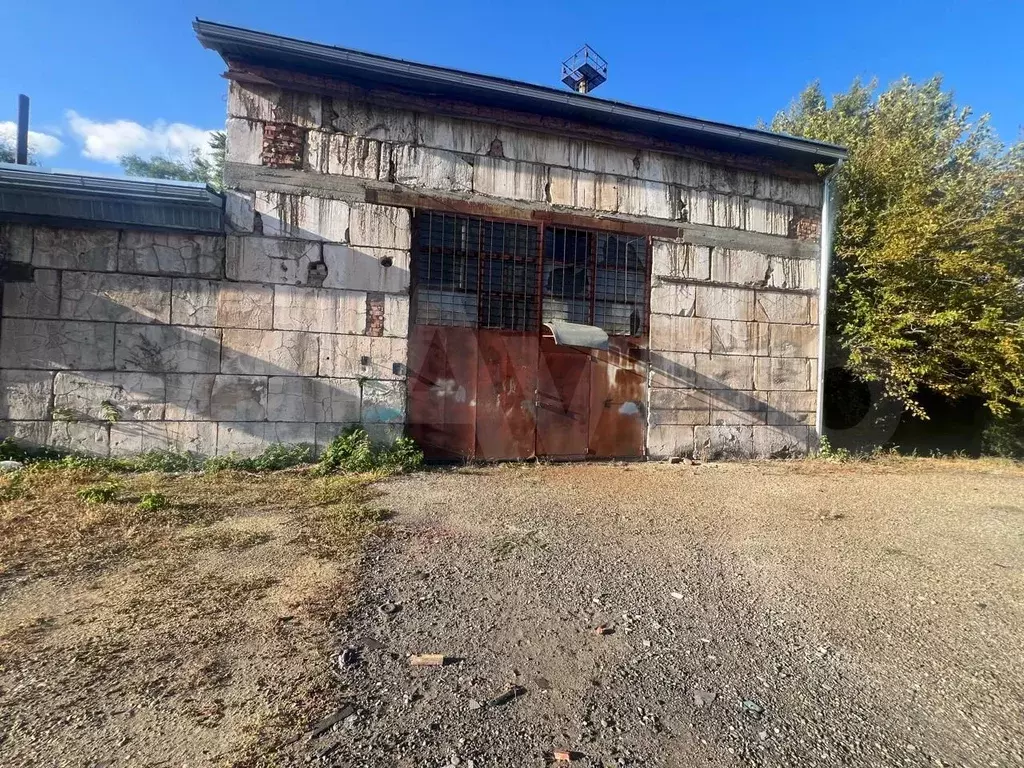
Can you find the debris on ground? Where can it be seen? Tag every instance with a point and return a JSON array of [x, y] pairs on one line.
[[564, 756], [427, 660], [605, 629], [11, 466], [751, 706], [330, 721], [704, 698], [510, 695]]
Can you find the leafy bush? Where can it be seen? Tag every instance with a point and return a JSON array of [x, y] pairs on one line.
[[276, 456], [1004, 435], [162, 461], [101, 493], [152, 501], [353, 451]]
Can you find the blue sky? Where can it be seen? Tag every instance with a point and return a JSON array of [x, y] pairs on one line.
[[109, 76]]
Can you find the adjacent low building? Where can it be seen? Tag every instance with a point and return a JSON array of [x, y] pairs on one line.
[[499, 270]]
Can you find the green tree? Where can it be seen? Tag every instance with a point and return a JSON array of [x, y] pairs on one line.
[[928, 267], [195, 168]]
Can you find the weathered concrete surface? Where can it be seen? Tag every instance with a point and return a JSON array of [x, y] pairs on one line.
[[108, 396], [115, 297], [171, 254], [56, 344], [25, 395], [86, 249], [37, 299], [273, 353]]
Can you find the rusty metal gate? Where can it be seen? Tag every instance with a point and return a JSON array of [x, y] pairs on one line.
[[485, 381]]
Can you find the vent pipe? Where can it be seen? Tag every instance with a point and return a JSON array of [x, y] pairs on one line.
[[21, 156]]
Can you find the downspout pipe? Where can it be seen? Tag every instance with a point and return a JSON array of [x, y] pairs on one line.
[[828, 218]]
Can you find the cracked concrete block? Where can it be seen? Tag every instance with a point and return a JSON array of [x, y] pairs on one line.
[[607, 193], [679, 400], [274, 105], [221, 305], [318, 400], [356, 117], [383, 402], [188, 396], [363, 268], [723, 442], [305, 217], [533, 147], [796, 192], [790, 373], [672, 370], [731, 181], [115, 298], [729, 337], [15, 243], [325, 310], [788, 408], [638, 197], [108, 396], [167, 349], [727, 211], [679, 416], [793, 340], [239, 209], [668, 169], [740, 267], [244, 141], [39, 298], [779, 307], [798, 274], [374, 357], [270, 260], [724, 372], [721, 303], [25, 395], [427, 168], [132, 438], [511, 180], [273, 353], [56, 344], [382, 226], [85, 437], [604, 158], [466, 136], [729, 417], [573, 189], [699, 207], [253, 437], [27, 434], [780, 442], [239, 398], [396, 316], [768, 218], [336, 153], [679, 260], [87, 249], [673, 333], [169, 253], [673, 299], [665, 440]]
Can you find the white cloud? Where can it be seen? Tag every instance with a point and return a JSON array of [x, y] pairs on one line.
[[109, 141], [39, 144]]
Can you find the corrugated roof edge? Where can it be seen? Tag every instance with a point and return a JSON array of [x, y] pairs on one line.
[[34, 195], [264, 47]]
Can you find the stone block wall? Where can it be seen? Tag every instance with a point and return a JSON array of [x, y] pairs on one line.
[[734, 299], [129, 341]]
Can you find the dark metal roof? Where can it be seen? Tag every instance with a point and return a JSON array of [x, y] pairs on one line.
[[65, 198], [245, 45]]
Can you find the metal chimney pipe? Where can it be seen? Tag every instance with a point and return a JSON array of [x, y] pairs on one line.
[[22, 149]]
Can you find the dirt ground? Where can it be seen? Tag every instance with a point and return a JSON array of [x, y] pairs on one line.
[[788, 613], [795, 613], [195, 634]]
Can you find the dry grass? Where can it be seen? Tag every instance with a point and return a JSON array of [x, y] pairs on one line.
[[195, 633]]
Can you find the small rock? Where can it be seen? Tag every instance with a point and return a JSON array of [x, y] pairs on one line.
[[511, 694], [542, 683], [11, 466], [704, 698], [678, 595], [474, 705], [675, 459], [751, 706], [427, 660], [348, 658], [564, 756], [605, 629], [390, 608]]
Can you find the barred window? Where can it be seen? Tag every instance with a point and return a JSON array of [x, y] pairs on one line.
[[475, 273], [596, 278]]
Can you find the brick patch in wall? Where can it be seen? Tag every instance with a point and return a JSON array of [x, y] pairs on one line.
[[282, 145], [374, 314], [805, 228]]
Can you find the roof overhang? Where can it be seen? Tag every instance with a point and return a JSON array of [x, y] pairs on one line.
[[236, 44], [35, 195]]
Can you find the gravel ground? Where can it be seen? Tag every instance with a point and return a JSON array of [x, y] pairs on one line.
[[789, 613]]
